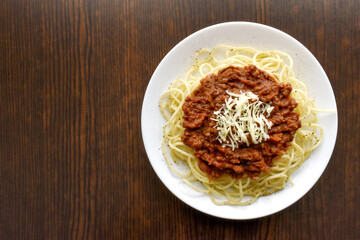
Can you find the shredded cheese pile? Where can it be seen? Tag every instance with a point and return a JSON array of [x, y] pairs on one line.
[[242, 115]]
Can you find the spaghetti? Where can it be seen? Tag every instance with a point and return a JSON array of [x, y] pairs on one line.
[[227, 189]]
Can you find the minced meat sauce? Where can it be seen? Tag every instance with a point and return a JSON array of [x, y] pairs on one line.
[[200, 133]]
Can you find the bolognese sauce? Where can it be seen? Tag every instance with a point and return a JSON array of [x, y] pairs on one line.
[[201, 133]]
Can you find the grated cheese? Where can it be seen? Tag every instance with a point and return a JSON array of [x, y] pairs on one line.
[[242, 115]]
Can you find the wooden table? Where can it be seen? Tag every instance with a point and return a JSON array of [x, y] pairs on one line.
[[72, 78]]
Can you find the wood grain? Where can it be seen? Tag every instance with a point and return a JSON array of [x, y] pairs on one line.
[[72, 79]]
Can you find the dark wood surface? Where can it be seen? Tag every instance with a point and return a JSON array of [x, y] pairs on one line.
[[72, 79]]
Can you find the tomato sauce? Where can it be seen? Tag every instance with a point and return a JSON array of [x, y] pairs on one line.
[[200, 133]]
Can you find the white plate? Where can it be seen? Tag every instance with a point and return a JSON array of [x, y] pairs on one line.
[[177, 62]]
